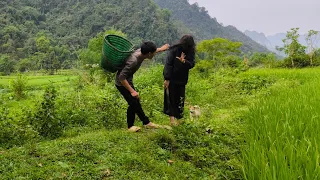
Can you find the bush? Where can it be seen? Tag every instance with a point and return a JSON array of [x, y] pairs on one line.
[[316, 61], [251, 84], [12, 131], [45, 120], [205, 67], [92, 107], [299, 61], [19, 86], [232, 61], [112, 111]]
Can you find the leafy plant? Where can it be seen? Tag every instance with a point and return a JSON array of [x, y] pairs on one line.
[[45, 120], [254, 83], [19, 86], [14, 131]]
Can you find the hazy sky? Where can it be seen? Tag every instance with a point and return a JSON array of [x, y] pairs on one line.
[[267, 16]]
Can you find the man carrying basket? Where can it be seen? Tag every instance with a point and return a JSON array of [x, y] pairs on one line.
[[124, 83]]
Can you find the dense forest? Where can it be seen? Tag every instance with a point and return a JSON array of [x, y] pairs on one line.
[[199, 22], [41, 33]]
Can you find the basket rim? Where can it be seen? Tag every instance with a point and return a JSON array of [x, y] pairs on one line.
[[105, 40]]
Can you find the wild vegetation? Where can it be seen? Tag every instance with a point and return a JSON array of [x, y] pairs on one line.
[[71, 125], [252, 120], [61, 116]]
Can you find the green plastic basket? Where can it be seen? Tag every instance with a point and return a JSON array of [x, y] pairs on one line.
[[115, 51]]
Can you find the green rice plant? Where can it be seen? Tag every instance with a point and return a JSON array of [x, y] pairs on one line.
[[283, 138]]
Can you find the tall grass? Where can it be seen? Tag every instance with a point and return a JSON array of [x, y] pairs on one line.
[[283, 138]]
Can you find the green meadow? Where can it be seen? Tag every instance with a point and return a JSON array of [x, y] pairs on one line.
[[255, 124]]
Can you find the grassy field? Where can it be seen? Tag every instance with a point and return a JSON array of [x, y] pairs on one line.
[[257, 124], [40, 79]]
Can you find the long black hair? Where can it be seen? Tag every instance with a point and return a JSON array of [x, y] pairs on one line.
[[186, 43]]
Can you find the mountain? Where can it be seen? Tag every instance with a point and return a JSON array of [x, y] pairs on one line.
[[259, 38], [268, 41], [276, 40], [197, 21]]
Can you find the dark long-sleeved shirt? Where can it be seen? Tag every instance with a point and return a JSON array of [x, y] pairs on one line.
[[176, 71], [132, 64]]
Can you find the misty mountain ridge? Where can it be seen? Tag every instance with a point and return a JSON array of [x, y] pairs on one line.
[[196, 20], [271, 41]]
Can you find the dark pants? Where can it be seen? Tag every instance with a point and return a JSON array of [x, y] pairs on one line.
[[134, 107], [174, 100]]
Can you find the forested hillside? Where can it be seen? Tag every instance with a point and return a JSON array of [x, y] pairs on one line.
[[57, 29], [40, 34], [203, 26]]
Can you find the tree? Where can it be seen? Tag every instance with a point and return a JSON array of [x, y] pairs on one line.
[[43, 44], [292, 47], [6, 64], [262, 59], [223, 51], [218, 47], [46, 53], [24, 65], [311, 40]]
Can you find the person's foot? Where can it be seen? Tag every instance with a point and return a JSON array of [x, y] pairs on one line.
[[134, 129], [151, 125], [174, 123]]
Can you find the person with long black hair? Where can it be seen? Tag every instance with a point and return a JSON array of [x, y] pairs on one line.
[[180, 59]]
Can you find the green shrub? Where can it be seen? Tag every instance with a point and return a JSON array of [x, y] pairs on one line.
[[112, 111], [92, 107], [19, 86], [45, 120], [12, 131], [204, 67], [251, 84], [232, 61], [299, 61]]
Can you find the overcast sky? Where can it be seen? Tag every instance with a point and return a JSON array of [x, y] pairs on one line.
[[267, 16]]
